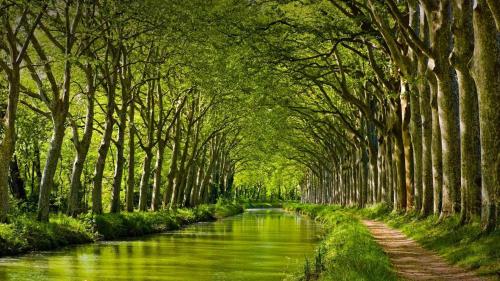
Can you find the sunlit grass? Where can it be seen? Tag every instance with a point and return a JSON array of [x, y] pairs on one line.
[[248, 204], [24, 233], [348, 252], [465, 245]]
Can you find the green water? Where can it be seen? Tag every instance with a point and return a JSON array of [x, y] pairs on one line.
[[256, 245]]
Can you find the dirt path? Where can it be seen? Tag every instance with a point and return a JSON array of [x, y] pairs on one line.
[[412, 261]]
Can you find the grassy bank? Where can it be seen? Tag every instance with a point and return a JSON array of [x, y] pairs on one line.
[[463, 245], [348, 251], [247, 204], [25, 234]]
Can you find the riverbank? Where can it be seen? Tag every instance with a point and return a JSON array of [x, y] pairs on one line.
[[24, 234], [257, 245], [348, 251], [260, 204]]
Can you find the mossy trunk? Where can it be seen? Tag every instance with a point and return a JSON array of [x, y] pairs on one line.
[[407, 148], [426, 117], [469, 118], [7, 144], [437, 160], [156, 197], [144, 184], [131, 161], [172, 172], [486, 69], [82, 148], [120, 161], [110, 73], [416, 140], [49, 170], [440, 18]]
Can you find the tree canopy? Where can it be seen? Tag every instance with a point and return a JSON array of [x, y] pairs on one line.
[[145, 105]]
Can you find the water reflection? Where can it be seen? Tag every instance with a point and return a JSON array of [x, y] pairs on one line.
[[256, 245]]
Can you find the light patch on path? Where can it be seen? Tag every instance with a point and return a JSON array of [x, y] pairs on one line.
[[412, 261]]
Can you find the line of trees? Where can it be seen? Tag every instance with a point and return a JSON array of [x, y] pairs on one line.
[[376, 101], [392, 101], [120, 89]]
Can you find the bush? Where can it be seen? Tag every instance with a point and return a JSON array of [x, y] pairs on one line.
[[25, 234]]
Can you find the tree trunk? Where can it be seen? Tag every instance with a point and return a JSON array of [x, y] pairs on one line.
[[389, 171], [7, 145], [439, 16], [494, 6], [131, 161], [144, 185], [416, 140], [470, 148], [155, 201], [82, 148], [15, 181], [75, 185], [382, 171], [120, 159], [407, 148], [178, 189], [196, 194], [437, 162], [398, 157], [101, 159], [49, 171], [426, 117], [364, 178], [191, 174], [16, 56], [486, 69], [173, 165]]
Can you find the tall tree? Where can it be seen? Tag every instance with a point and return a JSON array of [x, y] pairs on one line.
[[15, 50]]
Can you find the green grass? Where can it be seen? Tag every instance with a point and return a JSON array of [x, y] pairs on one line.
[[225, 208], [348, 251], [464, 245], [250, 205], [24, 234]]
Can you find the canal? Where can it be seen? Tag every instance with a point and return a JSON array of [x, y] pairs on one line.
[[259, 244]]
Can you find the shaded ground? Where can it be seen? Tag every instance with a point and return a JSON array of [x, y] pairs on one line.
[[411, 261]]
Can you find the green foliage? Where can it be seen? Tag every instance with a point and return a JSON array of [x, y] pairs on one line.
[[223, 208], [348, 252]]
